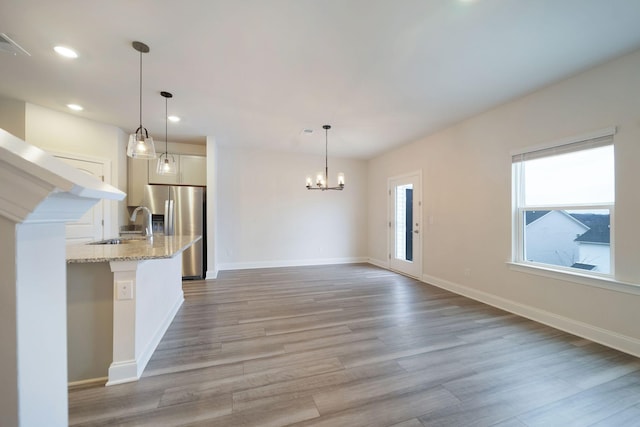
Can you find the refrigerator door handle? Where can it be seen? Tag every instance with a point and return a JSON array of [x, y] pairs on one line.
[[168, 218], [172, 212]]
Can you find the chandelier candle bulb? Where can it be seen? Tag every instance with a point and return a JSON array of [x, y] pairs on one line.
[[309, 182], [341, 179]]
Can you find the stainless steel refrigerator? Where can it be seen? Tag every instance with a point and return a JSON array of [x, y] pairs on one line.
[[181, 210]]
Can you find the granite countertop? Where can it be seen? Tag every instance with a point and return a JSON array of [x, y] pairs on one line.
[[134, 249]]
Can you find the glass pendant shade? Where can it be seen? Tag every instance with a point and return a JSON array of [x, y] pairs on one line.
[[166, 165], [166, 162], [141, 146]]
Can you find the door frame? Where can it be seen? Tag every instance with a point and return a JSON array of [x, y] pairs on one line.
[[417, 200], [108, 209]]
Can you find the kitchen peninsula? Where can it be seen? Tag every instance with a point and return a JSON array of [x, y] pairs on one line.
[[121, 299]]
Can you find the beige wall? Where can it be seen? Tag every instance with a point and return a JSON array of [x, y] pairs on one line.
[[266, 216], [89, 320], [69, 134], [212, 208], [467, 202], [12, 114], [177, 147]]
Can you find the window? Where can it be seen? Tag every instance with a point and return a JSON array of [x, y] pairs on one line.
[[564, 204], [404, 222]]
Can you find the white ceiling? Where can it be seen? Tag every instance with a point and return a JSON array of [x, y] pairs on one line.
[[255, 73]]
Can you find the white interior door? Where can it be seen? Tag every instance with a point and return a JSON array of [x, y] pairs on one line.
[[91, 226], [405, 220]]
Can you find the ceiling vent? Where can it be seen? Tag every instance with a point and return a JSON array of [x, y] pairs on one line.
[[9, 46]]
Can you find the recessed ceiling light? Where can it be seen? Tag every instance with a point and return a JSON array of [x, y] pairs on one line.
[[173, 119], [75, 107], [307, 131], [66, 52]]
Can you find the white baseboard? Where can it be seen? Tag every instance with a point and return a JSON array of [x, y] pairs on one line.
[[123, 372], [211, 274], [291, 263], [144, 358], [87, 383], [602, 336], [131, 370], [378, 263]]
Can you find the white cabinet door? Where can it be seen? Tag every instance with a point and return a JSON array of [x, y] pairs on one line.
[[193, 170], [137, 178], [155, 178]]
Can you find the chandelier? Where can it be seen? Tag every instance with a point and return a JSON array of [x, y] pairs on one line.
[[140, 144], [322, 180]]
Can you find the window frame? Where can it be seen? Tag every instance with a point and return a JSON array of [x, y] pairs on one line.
[[519, 208]]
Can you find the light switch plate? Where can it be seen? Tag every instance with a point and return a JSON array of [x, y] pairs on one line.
[[124, 290]]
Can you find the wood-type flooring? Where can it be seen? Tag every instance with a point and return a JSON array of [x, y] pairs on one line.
[[356, 345]]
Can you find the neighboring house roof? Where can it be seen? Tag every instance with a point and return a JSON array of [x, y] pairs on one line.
[[583, 266], [599, 230], [597, 234], [598, 225], [531, 216], [591, 219]]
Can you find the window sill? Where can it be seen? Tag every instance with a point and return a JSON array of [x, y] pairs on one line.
[[602, 282]]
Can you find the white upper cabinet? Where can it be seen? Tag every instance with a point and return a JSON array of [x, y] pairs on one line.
[[155, 178], [192, 170]]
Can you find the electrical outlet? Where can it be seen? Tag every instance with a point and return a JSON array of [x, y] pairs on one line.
[[124, 290]]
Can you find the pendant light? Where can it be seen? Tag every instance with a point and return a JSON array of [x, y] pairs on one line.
[[166, 163], [140, 144], [322, 182]]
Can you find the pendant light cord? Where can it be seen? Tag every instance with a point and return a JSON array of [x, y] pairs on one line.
[[166, 96], [140, 92]]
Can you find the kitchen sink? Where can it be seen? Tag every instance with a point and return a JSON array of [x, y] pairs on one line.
[[116, 241], [110, 242]]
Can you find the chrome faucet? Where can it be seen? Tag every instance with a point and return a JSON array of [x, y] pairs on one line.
[[148, 227]]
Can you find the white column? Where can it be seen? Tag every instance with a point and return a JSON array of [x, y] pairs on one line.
[[38, 194], [41, 302], [146, 297], [124, 367]]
